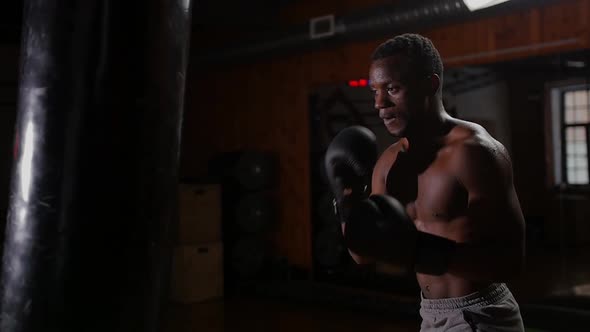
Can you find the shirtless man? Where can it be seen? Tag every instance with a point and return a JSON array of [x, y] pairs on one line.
[[442, 199]]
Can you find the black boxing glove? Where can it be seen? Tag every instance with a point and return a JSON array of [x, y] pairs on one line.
[[379, 227], [349, 163]]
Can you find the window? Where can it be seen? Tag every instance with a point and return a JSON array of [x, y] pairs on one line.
[[575, 135]]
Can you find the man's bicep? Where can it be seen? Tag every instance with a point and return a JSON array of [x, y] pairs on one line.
[[378, 186], [485, 172], [379, 178], [492, 202]]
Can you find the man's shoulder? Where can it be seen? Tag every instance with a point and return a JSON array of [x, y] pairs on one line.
[[469, 143], [389, 155], [396, 147]]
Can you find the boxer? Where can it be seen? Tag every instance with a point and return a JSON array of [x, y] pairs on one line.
[[440, 199]]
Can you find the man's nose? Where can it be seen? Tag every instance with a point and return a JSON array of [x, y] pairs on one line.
[[381, 100]]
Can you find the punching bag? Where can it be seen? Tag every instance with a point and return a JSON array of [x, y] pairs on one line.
[[96, 150]]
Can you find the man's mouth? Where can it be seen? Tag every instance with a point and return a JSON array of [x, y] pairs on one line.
[[389, 121], [389, 118]]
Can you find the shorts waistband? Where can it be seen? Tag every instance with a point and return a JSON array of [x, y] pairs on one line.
[[487, 296]]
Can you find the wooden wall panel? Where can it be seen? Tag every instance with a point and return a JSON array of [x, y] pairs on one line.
[[302, 10], [556, 28], [460, 39], [565, 20], [512, 31], [264, 105]]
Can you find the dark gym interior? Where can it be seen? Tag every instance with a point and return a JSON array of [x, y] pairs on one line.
[[175, 178]]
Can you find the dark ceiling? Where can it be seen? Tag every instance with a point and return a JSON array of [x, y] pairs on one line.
[[251, 15], [262, 14]]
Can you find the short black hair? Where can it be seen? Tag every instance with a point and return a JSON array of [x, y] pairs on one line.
[[420, 51]]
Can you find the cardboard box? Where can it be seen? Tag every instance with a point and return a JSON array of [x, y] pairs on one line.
[[197, 273], [199, 213]]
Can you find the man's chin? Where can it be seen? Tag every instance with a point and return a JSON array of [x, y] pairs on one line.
[[397, 131]]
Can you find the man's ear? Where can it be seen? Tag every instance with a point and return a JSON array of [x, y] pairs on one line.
[[434, 84]]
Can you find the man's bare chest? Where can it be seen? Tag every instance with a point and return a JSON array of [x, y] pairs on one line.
[[430, 192]]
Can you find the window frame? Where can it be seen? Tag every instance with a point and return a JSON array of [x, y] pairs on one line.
[[555, 148], [564, 177]]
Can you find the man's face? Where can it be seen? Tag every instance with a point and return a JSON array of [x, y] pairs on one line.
[[398, 98]]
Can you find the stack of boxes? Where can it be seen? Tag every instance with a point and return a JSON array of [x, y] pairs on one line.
[[197, 263]]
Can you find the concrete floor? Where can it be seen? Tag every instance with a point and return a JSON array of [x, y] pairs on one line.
[[550, 274]]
